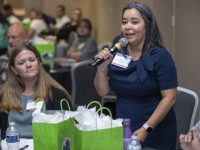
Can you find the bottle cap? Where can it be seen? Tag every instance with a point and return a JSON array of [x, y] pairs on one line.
[[11, 123], [126, 121]]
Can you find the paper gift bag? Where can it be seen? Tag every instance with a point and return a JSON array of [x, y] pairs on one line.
[[52, 136], [49, 136], [103, 139], [47, 53]]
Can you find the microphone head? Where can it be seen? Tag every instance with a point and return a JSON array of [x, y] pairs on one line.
[[123, 42]]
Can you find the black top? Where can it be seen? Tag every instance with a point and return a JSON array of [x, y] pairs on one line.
[[51, 104], [64, 32], [138, 89]]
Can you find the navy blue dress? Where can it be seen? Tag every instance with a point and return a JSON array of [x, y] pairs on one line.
[[138, 93]]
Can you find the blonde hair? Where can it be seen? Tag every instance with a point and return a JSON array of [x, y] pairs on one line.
[[14, 87]]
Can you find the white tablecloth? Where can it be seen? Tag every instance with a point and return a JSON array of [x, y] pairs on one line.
[[23, 142]]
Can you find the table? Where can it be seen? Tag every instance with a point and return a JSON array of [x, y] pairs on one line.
[[23, 142]]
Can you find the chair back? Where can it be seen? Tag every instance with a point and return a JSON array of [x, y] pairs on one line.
[[3, 69], [186, 106], [83, 90]]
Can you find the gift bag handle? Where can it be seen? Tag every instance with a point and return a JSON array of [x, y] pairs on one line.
[[94, 102], [101, 109], [61, 104]]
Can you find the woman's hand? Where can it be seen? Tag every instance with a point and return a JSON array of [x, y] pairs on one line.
[[190, 141], [141, 134], [106, 55]]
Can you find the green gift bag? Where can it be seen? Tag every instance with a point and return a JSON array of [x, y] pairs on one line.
[[103, 139], [47, 53], [51, 136]]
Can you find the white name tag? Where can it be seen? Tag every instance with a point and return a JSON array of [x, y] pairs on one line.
[[31, 105], [121, 60]]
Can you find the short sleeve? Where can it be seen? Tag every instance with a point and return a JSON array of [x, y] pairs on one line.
[[34, 24], [165, 69]]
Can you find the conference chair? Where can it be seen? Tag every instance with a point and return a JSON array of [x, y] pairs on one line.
[[83, 90], [186, 106]]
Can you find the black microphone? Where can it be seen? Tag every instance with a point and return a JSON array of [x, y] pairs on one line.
[[119, 45]]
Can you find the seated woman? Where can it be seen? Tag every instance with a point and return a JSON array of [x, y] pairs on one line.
[[191, 140], [26, 82], [84, 47]]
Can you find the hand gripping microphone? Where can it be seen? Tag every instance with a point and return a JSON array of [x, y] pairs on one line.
[[119, 45]]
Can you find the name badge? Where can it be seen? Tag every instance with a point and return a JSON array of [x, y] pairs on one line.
[[121, 61], [32, 105]]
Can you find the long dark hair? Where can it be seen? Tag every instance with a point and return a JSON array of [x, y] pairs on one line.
[[153, 36]]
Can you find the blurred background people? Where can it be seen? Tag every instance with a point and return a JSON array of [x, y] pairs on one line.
[[17, 36], [85, 47], [3, 34], [61, 19], [67, 34], [48, 20], [26, 82], [37, 25], [10, 16]]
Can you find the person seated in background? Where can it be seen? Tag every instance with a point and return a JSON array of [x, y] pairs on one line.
[[9, 14], [37, 25], [26, 82], [48, 20], [85, 47], [3, 34], [191, 140], [65, 31], [61, 19], [67, 34], [17, 36]]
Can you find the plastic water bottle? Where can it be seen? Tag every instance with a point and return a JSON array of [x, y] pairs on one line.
[[12, 137], [127, 132], [134, 144]]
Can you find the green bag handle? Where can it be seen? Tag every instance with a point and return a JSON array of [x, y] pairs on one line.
[[94, 102], [61, 106], [101, 109]]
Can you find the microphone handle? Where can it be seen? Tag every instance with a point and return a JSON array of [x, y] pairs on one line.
[[100, 60], [97, 62]]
